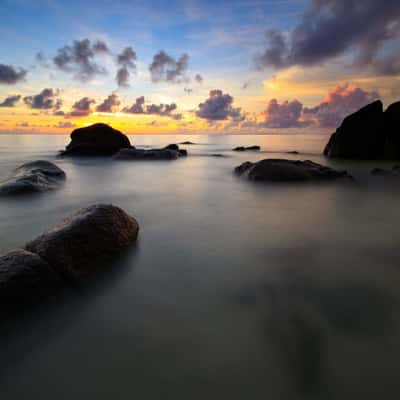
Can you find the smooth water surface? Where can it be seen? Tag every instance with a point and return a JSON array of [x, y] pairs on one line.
[[234, 290]]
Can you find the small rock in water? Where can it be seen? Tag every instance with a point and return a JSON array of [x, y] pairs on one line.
[[280, 170], [36, 176], [170, 152], [249, 148]]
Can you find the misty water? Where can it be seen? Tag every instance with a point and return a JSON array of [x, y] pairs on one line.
[[234, 290]]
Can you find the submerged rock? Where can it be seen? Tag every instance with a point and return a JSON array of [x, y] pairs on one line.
[[36, 176], [85, 240], [170, 152], [187, 142], [368, 134], [280, 170], [391, 173], [96, 140], [249, 148], [25, 277], [293, 152]]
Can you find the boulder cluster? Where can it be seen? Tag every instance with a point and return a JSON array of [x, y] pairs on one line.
[[368, 134], [81, 245]]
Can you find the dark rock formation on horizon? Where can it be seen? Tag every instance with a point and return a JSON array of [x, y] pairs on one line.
[[249, 148], [170, 152], [85, 240], [33, 177], [368, 134], [280, 170], [96, 140], [187, 142]]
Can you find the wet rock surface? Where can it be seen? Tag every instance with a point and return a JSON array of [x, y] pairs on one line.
[[33, 177], [281, 170], [170, 152]]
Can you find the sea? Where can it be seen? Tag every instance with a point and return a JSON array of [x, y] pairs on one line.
[[234, 289]]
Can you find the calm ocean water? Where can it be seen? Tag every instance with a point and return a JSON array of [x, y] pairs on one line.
[[233, 291]]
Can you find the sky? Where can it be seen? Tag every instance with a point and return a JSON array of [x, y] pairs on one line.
[[195, 66]]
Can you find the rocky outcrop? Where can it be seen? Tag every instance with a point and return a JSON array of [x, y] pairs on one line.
[[170, 152], [249, 148], [24, 278], [33, 177], [79, 246], [187, 142], [85, 240], [280, 170], [368, 134], [96, 140]]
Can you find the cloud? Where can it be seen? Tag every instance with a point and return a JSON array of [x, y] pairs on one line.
[[78, 58], [163, 110], [82, 107], [127, 62], [10, 75], [47, 99], [188, 90], [198, 78], [110, 104], [340, 102], [218, 106], [10, 101], [167, 69], [137, 106], [283, 115], [64, 125], [331, 28]]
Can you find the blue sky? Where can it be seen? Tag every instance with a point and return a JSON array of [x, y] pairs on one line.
[[222, 39]]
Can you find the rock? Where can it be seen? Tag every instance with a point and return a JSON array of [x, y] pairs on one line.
[[96, 140], [187, 142], [368, 134], [170, 152], [392, 131], [280, 170], [24, 278], [293, 152], [393, 173], [36, 176], [85, 240], [242, 148]]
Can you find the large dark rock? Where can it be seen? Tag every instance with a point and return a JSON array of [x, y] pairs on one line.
[[96, 140], [24, 278], [170, 152], [85, 240], [36, 176], [249, 148], [279, 170], [392, 132], [368, 134]]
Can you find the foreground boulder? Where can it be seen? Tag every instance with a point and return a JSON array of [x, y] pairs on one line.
[[85, 240], [24, 278], [96, 140], [36, 176], [368, 134], [279, 170], [170, 152], [249, 148]]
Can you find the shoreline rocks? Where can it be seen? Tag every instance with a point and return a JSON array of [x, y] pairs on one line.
[[368, 134], [170, 152], [96, 140], [78, 247], [33, 177], [249, 148], [281, 170]]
